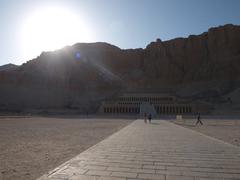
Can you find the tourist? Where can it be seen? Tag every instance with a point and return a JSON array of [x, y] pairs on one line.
[[199, 119], [150, 118], [145, 117]]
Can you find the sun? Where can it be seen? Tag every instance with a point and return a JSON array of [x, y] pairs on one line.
[[52, 28]]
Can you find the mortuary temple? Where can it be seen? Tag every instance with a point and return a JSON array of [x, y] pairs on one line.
[[154, 103]]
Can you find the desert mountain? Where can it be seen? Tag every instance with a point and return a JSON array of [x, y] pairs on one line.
[[201, 67], [8, 67]]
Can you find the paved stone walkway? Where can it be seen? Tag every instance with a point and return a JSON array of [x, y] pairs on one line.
[[157, 151]]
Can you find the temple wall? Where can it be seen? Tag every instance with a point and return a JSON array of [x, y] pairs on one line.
[[128, 104]]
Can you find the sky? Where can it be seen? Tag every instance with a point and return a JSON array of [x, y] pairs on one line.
[[29, 27]]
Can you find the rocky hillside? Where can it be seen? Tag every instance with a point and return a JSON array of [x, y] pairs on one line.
[[200, 67], [8, 67]]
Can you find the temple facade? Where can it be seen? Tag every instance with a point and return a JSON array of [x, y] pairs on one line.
[[150, 103]]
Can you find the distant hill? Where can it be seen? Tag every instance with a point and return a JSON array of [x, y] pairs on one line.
[[8, 67], [203, 67]]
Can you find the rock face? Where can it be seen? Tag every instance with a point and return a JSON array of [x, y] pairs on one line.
[[200, 67], [8, 67]]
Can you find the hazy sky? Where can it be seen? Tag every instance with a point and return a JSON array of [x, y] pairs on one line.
[[124, 23]]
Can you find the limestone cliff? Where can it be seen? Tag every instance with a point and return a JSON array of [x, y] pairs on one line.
[[202, 66], [8, 67]]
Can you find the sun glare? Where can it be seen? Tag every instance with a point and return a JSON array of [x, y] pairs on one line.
[[52, 28]]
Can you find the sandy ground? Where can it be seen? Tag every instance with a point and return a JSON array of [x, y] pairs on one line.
[[30, 147], [227, 130]]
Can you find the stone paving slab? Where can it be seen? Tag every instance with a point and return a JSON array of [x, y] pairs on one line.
[[157, 151]]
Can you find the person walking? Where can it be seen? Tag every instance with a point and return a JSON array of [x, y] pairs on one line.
[[145, 117], [199, 119], [150, 118]]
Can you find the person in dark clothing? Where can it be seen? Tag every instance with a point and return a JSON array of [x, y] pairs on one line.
[[145, 117], [199, 119], [149, 118]]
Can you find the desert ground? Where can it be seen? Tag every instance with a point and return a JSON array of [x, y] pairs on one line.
[[224, 129], [32, 146]]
